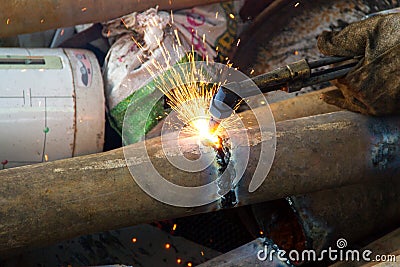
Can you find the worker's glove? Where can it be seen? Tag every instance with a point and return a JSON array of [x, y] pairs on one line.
[[373, 86]]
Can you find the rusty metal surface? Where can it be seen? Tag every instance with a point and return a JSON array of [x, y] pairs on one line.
[[317, 220], [339, 148], [350, 213], [309, 104], [277, 221], [96, 192], [26, 16], [286, 31], [343, 212]]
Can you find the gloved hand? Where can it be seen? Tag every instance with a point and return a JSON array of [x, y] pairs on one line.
[[373, 86]]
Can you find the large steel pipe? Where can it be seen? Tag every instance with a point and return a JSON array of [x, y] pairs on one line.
[[53, 201], [26, 16]]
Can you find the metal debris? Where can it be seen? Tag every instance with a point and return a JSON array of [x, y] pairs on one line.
[[223, 158]]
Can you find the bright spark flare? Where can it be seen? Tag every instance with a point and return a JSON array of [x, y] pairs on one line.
[[201, 126], [190, 97]]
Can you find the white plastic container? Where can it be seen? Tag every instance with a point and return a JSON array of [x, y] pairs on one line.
[[51, 105]]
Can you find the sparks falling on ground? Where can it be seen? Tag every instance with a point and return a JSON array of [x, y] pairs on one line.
[[188, 88]]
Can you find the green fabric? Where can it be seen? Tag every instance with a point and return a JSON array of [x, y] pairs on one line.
[[139, 124], [140, 98]]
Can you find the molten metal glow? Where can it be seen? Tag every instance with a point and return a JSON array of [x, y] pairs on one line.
[[201, 127]]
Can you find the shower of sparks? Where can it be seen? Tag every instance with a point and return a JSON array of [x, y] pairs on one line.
[[172, 17], [123, 22], [238, 42], [190, 95], [189, 98]]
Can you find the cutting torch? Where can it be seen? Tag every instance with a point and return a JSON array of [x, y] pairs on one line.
[[290, 78]]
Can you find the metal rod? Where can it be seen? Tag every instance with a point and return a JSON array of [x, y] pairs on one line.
[[326, 61], [334, 69], [53, 201], [327, 76], [268, 83]]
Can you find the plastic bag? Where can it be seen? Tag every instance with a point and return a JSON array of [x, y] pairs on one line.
[[139, 40]]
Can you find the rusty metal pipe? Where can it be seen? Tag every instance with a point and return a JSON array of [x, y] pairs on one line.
[[27, 16], [317, 220], [325, 217], [343, 212], [53, 201], [309, 104]]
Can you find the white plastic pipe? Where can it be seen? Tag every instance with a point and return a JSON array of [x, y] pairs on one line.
[[51, 105]]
